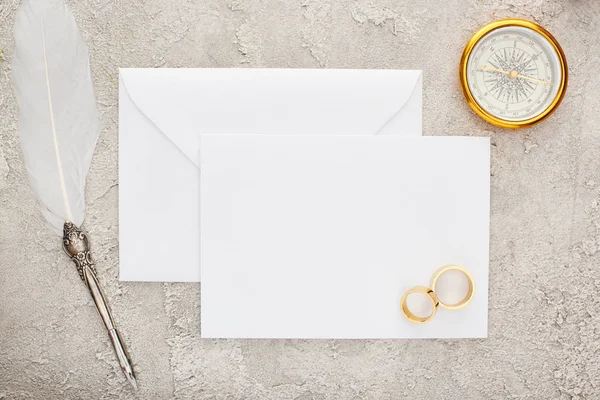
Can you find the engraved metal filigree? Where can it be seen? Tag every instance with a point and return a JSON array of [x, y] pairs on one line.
[[77, 246]]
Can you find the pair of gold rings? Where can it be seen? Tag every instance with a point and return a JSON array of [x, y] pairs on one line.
[[430, 292]]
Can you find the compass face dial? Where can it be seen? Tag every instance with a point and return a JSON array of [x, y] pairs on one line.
[[514, 74]]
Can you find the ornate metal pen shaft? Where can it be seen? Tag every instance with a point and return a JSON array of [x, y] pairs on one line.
[[76, 245]]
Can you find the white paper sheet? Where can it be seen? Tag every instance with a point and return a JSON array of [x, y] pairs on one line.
[[320, 236]]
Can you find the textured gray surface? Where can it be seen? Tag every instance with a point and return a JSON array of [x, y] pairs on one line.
[[544, 317]]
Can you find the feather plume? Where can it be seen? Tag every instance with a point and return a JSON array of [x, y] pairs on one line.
[[58, 116]]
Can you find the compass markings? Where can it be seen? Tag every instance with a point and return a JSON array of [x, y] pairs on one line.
[[511, 75], [510, 89]]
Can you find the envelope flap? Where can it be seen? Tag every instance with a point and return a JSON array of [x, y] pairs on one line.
[[185, 103]]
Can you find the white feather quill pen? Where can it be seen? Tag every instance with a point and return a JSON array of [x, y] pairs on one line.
[[58, 130], [59, 123]]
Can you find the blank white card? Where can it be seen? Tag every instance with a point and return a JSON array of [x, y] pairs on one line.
[[320, 236]]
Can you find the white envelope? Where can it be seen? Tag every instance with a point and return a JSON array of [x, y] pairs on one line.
[[163, 112], [320, 236]]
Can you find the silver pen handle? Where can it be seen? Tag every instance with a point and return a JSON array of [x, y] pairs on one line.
[[76, 245]]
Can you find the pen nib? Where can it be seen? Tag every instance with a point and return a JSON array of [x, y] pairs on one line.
[[133, 382], [128, 371]]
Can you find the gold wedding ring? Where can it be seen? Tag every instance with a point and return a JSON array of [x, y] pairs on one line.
[[430, 295], [470, 292]]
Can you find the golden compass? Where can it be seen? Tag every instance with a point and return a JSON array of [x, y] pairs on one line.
[[513, 73]]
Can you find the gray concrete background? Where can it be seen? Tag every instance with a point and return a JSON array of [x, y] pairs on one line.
[[544, 317]]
